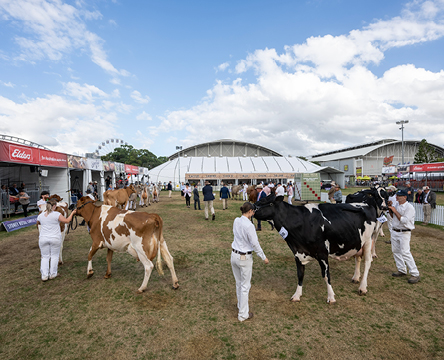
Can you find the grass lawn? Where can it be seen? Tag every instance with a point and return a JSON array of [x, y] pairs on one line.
[[72, 317]]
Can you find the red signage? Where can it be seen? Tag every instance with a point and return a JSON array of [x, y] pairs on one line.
[[131, 169], [51, 158], [434, 167], [22, 154]]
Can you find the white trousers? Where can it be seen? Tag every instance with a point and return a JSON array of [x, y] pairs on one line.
[[245, 196], [289, 199], [208, 204], [401, 252], [50, 250], [242, 271]]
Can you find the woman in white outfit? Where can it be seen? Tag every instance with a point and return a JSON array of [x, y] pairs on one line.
[[245, 241], [50, 238]]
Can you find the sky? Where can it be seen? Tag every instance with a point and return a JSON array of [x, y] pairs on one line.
[[299, 77]]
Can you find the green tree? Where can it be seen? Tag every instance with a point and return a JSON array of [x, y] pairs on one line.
[[425, 154], [127, 154]]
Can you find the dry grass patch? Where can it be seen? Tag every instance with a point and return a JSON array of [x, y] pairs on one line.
[[73, 317]]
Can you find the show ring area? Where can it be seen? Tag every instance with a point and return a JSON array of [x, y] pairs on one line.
[[77, 315]]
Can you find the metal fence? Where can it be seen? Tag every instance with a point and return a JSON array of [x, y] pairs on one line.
[[437, 217]]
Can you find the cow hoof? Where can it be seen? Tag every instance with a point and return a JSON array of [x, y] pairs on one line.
[[331, 302], [362, 292], [375, 256], [91, 273], [139, 291], [176, 286], [107, 276], [295, 300], [60, 262], [355, 281]]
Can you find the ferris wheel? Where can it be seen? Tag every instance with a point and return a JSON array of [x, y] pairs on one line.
[[107, 146]]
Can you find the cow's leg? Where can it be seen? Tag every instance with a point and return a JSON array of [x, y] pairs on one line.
[[325, 270], [92, 251], [367, 263], [301, 271], [61, 245], [169, 261], [357, 274], [109, 257], [148, 265]]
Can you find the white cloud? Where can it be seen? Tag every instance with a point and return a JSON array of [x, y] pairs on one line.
[[223, 67], [321, 95], [137, 96], [7, 84], [57, 122], [144, 116], [83, 92], [53, 29]]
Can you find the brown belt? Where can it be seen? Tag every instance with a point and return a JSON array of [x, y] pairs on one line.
[[401, 230], [242, 253]]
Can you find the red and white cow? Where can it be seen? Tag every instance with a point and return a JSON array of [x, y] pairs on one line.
[[137, 233]]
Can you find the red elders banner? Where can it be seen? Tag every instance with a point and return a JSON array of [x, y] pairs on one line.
[[131, 169], [427, 167], [18, 153], [51, 158]]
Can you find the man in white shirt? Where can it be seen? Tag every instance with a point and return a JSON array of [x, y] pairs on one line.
[[280, 190], [391, 190], [402, 226], [245, 194]]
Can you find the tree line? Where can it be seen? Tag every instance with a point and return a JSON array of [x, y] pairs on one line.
[[127, 154]]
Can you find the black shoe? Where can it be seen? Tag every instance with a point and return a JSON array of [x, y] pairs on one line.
[[398, 274], [388, 242], [214, 217], [258, 229]]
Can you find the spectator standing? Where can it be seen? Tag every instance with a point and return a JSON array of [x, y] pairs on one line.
[[409, 191], [260, 195], [14, 192], [429, 204], [196, 197], [182, 186], [187, 194], [170, 189], [90, 187], [337, 195], [331, 193], [50, 239], [419, 197], [24, 201], [207, 192], [224, 194], [403, 224], [290, 192], [244, 242]]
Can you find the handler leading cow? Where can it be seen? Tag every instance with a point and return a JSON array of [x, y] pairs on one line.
[[138, 233], [317, 231]]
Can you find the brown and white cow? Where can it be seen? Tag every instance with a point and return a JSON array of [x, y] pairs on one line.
[[155, 193], [137, 233], [118, 198], [62, 208], [145, 196]]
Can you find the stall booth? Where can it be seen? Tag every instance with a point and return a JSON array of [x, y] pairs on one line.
[[78, 179], [109, 173], [95, 173], [132, 173], [33, 168]]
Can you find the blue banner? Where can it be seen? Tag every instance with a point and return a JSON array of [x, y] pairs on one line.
[[20, 223]]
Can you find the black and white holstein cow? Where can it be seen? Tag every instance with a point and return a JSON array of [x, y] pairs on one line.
[[377, 198], [317, 231]]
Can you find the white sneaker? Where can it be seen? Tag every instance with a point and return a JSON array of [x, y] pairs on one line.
[[52, 277], [44, 278]]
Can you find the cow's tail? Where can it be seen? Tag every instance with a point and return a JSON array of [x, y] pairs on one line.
[[159, 241]]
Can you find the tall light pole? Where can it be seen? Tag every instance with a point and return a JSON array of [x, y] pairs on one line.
[[402, 122], [179, 148]]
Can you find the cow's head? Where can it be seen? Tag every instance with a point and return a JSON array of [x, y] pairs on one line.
[[265, 208], [133, 189], [80, 206], [381, 197], [56, 197]]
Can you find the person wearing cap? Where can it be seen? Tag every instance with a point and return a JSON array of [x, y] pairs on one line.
[[429, 204], [280, 190], [244, 243], [391, 191], [402, 226], [90, 187], [207, 192], [419, 197], [331, 193], [338, 194]]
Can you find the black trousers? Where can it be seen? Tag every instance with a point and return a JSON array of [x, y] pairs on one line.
[[187, 200], [198, 203], [25, 209]]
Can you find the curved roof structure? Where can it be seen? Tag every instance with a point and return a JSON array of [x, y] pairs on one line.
[[255, 166], [364, 149], [225, 148]]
